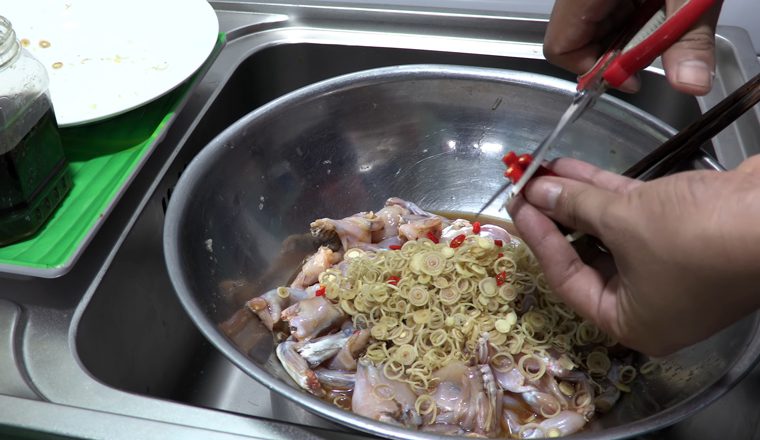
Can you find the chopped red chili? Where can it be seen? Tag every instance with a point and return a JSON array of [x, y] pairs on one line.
[[457, 241], [476, 227], [320, 291], [501, 278], [393, 280], [516, 166], [509, 158], [394, 247], [514, 172], [499, 255], [524, 160], [432, 237], [498, 242]]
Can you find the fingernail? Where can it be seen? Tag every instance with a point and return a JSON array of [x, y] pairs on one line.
[[694, 73], [543, 194]]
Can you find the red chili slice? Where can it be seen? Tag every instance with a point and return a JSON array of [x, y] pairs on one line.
[[457, 241], [501, 278], [393, 280], [514, 173], [509, 158], [432, 237], [476, 227], [320, 291], [498, 242], [499, 255], [394, 247], [524, 160]]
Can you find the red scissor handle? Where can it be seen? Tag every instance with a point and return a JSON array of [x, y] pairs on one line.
[[649, 35]]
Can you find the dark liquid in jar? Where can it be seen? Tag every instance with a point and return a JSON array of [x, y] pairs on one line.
[[33, 180]]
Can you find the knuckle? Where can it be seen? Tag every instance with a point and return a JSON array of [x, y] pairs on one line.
[[572, 267], [700, 39], [568, 206], [551, 51], [611, 218]]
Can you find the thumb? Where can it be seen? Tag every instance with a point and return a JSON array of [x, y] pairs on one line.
[[690, 63], [574, 204]]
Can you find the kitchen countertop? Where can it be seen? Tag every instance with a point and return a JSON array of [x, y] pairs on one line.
[[82, 356]]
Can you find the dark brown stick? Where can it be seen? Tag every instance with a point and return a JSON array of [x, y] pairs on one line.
[[684, 144]]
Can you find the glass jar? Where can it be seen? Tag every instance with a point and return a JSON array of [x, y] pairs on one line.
[[34, 175]]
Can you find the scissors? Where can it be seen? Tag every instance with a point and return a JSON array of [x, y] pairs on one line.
[[648, 35]]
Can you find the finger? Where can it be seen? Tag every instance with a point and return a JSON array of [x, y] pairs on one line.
[[690, 63], [577, 34], [587, 173], [575, 204], [572, 37], [578, 285]]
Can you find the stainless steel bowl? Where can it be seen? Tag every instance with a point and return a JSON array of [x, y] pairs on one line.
[[238, 220]]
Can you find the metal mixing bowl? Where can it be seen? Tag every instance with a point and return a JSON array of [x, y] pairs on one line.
[[238, 221]]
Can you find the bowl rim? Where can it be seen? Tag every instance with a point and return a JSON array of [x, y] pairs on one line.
[[203, 161]]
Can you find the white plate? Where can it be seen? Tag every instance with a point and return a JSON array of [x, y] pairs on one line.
[[105, 57]]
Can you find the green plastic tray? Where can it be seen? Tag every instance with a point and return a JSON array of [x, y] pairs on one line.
[[103, 157]]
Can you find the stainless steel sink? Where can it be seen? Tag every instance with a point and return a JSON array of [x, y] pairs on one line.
[[107, 351]]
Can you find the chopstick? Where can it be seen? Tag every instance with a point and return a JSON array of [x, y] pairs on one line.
[[686, 142]]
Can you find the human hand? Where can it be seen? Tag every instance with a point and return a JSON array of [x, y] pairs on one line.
[[686, 249], [578, 30]]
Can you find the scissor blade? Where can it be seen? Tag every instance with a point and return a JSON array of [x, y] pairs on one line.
[[580, 103], [493, 198]]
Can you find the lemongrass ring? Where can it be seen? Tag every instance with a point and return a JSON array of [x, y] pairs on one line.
[[405, 354], [498, 339], [650, 367], [418, 295], [627, 374], [531, 367], [393, 369], [347, 307], [441, 282], [283, 292], [438, 337], [550, 409], [598, 361], [582, 399], [449, 296], [376, 352], [379, 331], [425, 404], [354, 253], [437, 319], [566, 388], [502, 362]]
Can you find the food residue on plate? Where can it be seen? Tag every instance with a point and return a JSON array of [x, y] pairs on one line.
[[24, 42], [57, 65], [44, 44]]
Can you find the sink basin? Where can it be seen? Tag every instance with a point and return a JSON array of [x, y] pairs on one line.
[[124, 345]]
